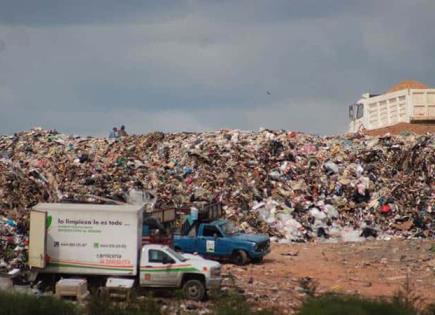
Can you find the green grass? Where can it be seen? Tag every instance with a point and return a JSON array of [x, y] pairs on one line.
[[24, 304], [333, 304], [223, 303], [103, 305], [233, 303]]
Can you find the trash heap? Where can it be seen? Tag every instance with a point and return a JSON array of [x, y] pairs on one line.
[[294, 186]]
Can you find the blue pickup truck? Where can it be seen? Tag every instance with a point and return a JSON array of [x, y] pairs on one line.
[[220, 240]]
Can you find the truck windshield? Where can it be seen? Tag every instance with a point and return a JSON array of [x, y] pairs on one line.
[[229, 229], [176, 255], [351, 112], [359, 111]]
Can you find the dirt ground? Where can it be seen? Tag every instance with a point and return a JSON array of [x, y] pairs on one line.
[[372, 269]]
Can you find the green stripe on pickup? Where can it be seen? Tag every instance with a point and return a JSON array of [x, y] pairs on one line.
[[87, 267], [168, 269]]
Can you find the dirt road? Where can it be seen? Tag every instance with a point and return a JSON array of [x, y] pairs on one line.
[[376, 268]]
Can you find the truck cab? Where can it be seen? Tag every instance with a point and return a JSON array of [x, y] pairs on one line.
[[357, 113], [161, 266], [220, 240]]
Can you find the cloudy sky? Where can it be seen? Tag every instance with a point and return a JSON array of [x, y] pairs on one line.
[[84, 66]]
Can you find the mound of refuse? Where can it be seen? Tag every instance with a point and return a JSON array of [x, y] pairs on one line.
[[294, 186]]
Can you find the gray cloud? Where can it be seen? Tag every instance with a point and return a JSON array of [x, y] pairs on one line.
[[65, 12], [198, 65]]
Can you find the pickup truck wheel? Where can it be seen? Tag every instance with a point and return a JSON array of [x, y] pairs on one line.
[[240, 258], [194, 290], [257, 260], [102, 292]]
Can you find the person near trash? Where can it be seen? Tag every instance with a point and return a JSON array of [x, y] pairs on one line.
[[114, 133], [122, 132]]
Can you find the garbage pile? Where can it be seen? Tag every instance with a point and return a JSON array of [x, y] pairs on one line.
[[294, 186]]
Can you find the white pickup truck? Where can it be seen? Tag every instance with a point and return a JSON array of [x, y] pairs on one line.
[[104, 242], [161, 266]]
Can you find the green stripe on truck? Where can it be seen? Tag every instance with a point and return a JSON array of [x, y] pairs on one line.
[[87, 267], [168, 269]]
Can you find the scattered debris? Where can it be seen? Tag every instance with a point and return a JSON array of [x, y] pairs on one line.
[[293, 186]]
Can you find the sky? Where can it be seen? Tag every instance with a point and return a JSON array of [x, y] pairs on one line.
[[84, 66]]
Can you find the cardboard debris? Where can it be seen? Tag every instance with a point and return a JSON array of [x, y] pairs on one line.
[[294, 186]]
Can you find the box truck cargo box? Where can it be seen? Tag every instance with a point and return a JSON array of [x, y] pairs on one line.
[[85, 238]]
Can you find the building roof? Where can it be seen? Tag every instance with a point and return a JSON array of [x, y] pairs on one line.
[[407, 84]]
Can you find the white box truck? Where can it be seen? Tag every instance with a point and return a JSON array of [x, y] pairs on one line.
[[105, 241], [407, 102]]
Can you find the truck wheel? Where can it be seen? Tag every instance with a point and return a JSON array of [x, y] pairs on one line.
[[257, 260], [194, 290], [240, 258], [102, 292]]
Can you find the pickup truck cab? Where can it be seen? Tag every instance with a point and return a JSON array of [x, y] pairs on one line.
[[220, 240], [162, 267]]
